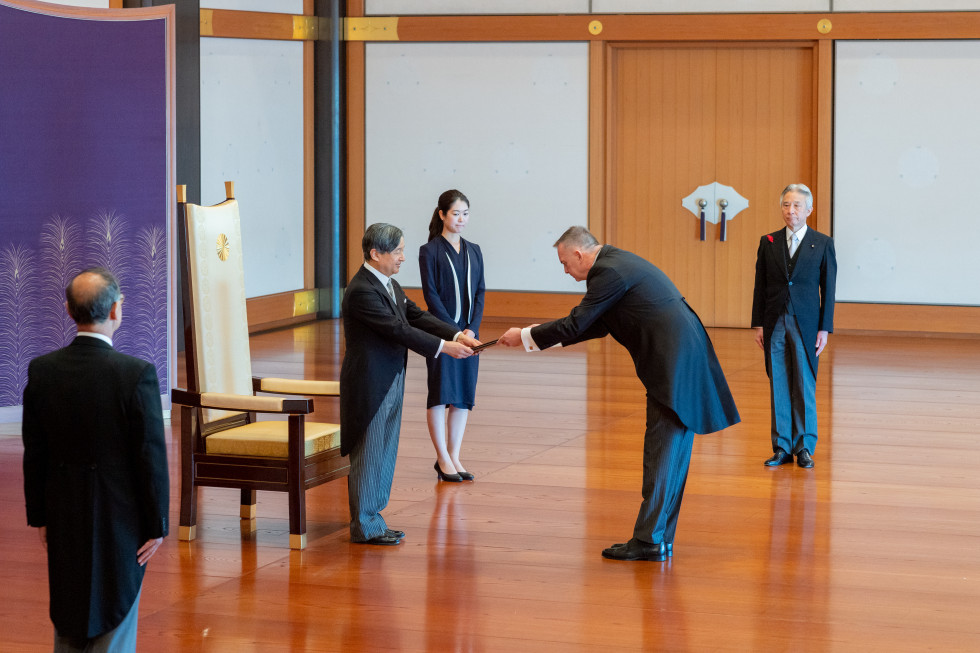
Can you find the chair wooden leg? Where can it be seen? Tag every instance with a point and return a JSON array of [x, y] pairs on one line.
[[248, 504], [296, 474], [188, 491]]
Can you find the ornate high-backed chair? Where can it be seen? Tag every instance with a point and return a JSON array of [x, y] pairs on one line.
[[221, 442]]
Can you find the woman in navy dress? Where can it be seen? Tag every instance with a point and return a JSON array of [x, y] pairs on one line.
[[453, 287]]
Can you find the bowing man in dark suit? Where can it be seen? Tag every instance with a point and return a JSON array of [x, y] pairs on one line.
[[793, 313], [380, 325], [95, 472], [632, 300]]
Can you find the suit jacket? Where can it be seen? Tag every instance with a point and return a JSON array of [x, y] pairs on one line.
[[95, 474], [443, 295], [637, 304], [378, 336], [811, 287]]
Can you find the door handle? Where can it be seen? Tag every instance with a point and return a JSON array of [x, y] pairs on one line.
[[715, 203]]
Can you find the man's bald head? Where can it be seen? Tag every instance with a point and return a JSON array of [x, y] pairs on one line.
[[90, 296]]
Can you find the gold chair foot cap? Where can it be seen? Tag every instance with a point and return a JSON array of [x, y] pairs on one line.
[[187, 533], [297, 542]]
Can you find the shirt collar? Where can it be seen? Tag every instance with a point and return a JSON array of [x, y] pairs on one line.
[[800, 234], [92, 334], [382, 278]]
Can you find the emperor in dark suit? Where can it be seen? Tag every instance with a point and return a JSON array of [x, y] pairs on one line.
[[793, 314], [632, 300], [380, 325], [95, 472]]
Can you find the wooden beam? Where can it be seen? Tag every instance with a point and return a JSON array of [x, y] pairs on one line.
[[823, 97], [281, 309], [597, 140], [528, 306], [309, 166], [356, 182], [227, 23], [692, 27], [907, 318]]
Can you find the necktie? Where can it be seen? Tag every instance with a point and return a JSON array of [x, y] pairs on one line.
[[793, 245], [391, 291]]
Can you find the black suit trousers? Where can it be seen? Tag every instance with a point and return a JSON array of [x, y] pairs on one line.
[[667, 446]]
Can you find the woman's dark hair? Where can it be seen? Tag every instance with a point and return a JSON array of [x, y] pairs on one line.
[[446, 201]]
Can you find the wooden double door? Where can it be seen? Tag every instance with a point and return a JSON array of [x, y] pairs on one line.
[[683, 116]]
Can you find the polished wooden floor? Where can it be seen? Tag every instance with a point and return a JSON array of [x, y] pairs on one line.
[[876, 549]]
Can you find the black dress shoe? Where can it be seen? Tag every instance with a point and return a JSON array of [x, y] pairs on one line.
[[450, 478], [382, 540], [779, 458], [637, 550], [466, 476], [804, 460], [669, 545], [398, 534]]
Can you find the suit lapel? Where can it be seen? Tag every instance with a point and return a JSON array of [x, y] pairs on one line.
[[379, 287], [399, 299], [779, 252]]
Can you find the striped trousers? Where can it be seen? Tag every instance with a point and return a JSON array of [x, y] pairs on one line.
[[667, 446], [372, 466]]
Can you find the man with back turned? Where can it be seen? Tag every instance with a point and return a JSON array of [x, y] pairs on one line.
[[95, 472]]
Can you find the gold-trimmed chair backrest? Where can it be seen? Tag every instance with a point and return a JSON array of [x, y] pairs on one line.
[[216, 279]]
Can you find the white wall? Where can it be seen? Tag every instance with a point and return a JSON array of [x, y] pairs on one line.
[[252, 134], [506, 123], [907, 152]]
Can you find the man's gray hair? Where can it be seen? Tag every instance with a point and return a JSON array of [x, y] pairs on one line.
[[93, 307], [382, 237], [802, 190], [577, 237]]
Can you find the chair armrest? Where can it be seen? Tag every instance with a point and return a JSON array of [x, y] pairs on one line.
[[245, 403], [297, 386]]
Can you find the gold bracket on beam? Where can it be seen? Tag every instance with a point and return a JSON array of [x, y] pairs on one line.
[[305, 28], [207, 22], [373, 28], [305, 302]]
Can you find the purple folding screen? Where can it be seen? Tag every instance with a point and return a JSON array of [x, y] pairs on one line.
[[86, 176]]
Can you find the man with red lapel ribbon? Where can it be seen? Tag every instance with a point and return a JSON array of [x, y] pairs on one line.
[[793, 314]]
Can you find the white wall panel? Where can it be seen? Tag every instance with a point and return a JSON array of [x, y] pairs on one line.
[[906, 156], [706, 6], [99, 4], [507, 124], [906, 5], [273, 6], [252, 134]]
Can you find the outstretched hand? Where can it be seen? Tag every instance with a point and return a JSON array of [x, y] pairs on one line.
[[466, 338], [511, 338], [457, 349]]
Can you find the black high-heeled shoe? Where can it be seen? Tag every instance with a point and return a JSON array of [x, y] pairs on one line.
[[449, 478], [466, 476]]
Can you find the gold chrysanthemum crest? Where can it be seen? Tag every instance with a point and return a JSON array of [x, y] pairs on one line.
[[224, 249]]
